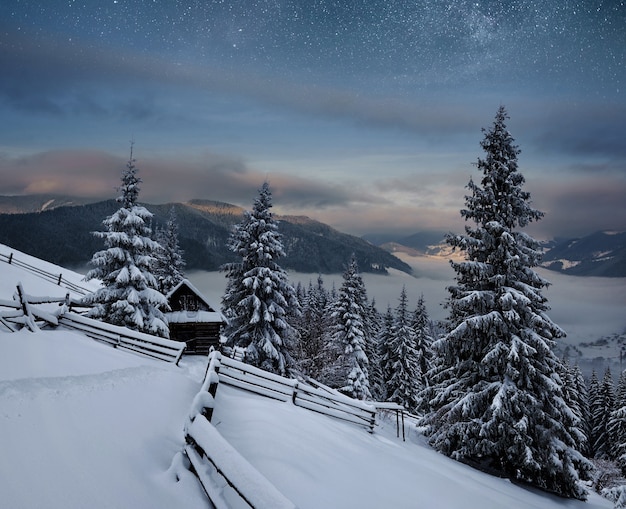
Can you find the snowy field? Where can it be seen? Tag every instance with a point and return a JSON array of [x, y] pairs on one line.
[[85, 425]]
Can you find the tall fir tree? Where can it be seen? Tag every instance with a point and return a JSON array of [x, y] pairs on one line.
[[349, 334], [129, 295], [498, 398], [258, 296], [170, 264], [402, 359]]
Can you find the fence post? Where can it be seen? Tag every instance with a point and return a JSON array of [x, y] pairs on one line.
[[295, 392], [29, 319], [213, 367], [59, 281], [10, 258]]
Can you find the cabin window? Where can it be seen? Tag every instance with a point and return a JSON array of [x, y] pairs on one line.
[[188, 303]]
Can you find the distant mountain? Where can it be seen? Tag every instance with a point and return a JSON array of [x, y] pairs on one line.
[[421, 242], [38, 203], [62, 235], [599, 254]]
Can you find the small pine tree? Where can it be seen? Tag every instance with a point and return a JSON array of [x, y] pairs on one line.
[[375, 375], [384, 350], [129, 295], [582, 395], [348, 334], [592, 402], [258, 294], [402, 361], [498, 399], [602, 408], [313, 356], [575, 396], [170, 264], [423, 345]]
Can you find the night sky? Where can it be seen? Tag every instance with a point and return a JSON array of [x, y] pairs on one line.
[[366, 115]]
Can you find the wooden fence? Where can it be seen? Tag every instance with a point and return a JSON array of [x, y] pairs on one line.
[[221, 470], [57, 279], [22, 312], [121, 337], [321, 400], [210, 455]]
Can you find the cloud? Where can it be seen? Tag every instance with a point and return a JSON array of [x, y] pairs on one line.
[[590, 127], [56, 77], [580, 205], [96, 174]]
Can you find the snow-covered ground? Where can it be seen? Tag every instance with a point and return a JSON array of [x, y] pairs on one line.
[[85, 425]]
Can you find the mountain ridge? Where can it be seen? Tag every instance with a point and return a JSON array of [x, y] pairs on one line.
[[63, 235], [599, 254]]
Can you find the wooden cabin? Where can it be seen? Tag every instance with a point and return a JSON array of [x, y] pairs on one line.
[[193, 319]]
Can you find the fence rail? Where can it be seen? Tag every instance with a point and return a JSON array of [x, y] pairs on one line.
[[206, 448], [127, 339], [22, 312], [57, 279], [217, 464], [333, 404], [212, 457]]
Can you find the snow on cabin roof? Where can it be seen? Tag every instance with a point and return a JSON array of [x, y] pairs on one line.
[[187, 283], [194, 317]]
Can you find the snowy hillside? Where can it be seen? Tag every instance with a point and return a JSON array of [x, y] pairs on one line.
[[85, 425]]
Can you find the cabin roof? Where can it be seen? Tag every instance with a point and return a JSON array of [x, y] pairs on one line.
[[187, 283]]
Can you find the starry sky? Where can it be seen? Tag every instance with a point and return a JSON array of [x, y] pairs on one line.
[[364, 114]]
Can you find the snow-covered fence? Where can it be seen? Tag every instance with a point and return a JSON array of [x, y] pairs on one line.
[[252, 379], [121, 337], [22, 313], [57, 279], [224, 474], [216, 462]]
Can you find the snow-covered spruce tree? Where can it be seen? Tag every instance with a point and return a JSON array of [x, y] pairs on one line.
[[423, 345], [348, 335], [312, 355], [498, 399], [601, 409], [385, 336], [401, 361], [583, 406], [575, 396], [592, 399], [617, 425], [129, 295], [258, 294], [374, 323], [170, 265]]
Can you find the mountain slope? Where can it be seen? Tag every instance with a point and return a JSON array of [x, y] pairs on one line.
[[63, 236], [600, 254]]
